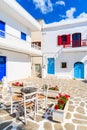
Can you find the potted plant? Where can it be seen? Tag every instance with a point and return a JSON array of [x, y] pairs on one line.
[[19, 84], [61, 107], [52, 90], [55, 88]]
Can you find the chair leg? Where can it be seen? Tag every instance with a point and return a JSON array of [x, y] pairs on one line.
[[25, 113], [11, 107], [36, 105], [35, 110]]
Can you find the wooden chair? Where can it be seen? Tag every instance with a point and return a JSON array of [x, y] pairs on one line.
[[29, 105], [5, 97], [42, 97], [9, 96], [15, 99], [24, 103]]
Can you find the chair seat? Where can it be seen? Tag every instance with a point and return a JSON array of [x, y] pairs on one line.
[[17, 98], [41, 96], [28, 104]]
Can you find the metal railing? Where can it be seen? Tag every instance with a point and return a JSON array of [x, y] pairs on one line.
[[36, 45], [83, 43]]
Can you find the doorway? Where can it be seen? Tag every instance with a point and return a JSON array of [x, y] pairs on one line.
[[2, 67], [79, 70], [50, 66]]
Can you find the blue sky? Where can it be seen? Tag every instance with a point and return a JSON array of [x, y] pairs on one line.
[[55, 10]]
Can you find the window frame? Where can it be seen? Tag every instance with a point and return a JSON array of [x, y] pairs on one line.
[[23, 36], [2, 29], [63, 65]]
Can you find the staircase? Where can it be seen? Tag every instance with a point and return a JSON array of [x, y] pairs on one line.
[[58, 52]]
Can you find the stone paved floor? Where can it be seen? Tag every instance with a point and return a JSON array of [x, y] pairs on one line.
[[76, 117]]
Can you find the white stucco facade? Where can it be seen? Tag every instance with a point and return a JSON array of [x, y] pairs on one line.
[[21, 56], [69, 55], [17, 52], [18, 65]]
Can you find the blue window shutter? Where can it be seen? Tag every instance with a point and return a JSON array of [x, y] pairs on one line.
[[23, 36], [2, 29]]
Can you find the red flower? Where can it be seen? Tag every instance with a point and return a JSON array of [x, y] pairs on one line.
[[67, 96], [60, 95], [56, 106], [17, 84], [61, 101], [57, 97]]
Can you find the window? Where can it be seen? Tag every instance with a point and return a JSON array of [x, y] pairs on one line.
[[23, 36], [76, 40], [2, 29], [37, 67], [63, 65], [38, 70], [64, 39]]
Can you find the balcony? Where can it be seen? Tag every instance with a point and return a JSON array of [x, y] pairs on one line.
[[36, 45], [11, 42], [83, 43]]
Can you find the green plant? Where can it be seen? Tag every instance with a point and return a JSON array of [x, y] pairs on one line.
[[0, 82], [56, 88]]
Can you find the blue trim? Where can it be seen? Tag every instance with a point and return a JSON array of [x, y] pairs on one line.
[[23, 36], [2, 29], [50, 66], [2, 67]]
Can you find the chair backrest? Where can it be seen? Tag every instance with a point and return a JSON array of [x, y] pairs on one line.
[[44, 90], [28, 83], [5, 95], [29, 96]]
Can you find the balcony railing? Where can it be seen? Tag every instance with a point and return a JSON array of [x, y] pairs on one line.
[[82, 44], [36, 45], [16, 40]]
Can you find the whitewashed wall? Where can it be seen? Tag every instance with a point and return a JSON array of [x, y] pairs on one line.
[[18, 65], [50, 49], [49, 39], [70, 58], [14, 28]]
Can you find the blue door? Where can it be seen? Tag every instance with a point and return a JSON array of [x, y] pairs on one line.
[[2, 67], [79, 70], [50, 67]]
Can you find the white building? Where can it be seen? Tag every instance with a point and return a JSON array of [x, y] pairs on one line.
[[58, 49], [16, 50], [65, 49]]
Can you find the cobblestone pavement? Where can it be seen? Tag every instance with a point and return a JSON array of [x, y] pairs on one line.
[[76, 117]]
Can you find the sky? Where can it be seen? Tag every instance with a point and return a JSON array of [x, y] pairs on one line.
[[55, 10]]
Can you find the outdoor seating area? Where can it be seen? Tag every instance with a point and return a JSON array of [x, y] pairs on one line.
[[34, 103], [24, 98]]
